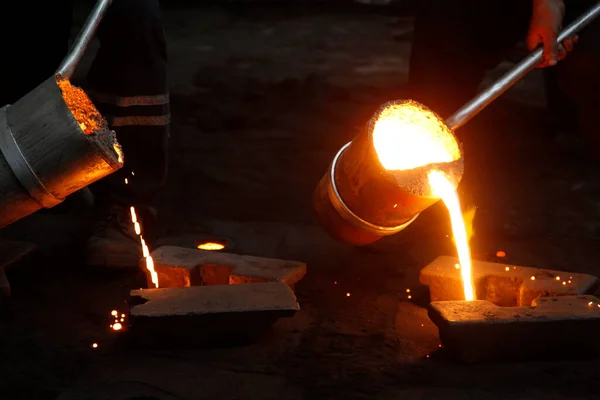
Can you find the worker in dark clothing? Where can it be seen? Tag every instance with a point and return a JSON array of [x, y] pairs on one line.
[[128, 84], [456, 42]]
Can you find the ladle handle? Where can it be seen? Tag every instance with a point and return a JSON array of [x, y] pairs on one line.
[[83, 39], [483, 99]]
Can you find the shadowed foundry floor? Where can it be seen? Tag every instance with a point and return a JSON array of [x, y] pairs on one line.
[[261, 101]]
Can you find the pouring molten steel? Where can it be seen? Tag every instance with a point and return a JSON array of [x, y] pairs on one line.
[[442, 188], [145, 251], [405, 161], [408, 136]]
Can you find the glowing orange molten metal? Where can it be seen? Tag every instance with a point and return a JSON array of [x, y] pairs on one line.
[[145, 250], [407, 136], [443, 188]]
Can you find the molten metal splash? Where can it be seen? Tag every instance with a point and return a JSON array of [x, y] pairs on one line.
[[408, 136], [442, 188], [118, 323]]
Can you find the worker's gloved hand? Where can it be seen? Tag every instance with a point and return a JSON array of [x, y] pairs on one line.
[[546, 24]]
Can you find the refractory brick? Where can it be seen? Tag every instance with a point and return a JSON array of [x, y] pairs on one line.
[[199, 313], [503, 284], [552, 327], [184, 267]]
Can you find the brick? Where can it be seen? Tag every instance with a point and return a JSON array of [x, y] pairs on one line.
[[503, 284], [184, 267], [553, 327], [209, 313]]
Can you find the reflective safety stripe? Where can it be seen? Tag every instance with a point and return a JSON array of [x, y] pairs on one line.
[[128, 101], [160, 120]]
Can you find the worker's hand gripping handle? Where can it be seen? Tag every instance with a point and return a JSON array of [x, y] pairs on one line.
[[494, 91]]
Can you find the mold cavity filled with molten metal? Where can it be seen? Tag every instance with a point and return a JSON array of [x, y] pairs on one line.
[[407, 136]]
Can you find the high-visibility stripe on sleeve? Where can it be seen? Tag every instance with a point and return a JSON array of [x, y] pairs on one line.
[[134, 120], [128, 101]]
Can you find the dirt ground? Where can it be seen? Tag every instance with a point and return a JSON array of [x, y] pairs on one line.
[[262, 98]]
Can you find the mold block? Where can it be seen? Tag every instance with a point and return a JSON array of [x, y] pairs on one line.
[[552, 327], [209, 313], [185, 267], [503, 284]]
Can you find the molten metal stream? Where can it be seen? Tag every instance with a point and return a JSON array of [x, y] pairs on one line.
[[408, 136], [145, 250], [443, 189]]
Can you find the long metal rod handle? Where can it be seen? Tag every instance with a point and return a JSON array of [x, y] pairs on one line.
[[83, 39], [483, 99]]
